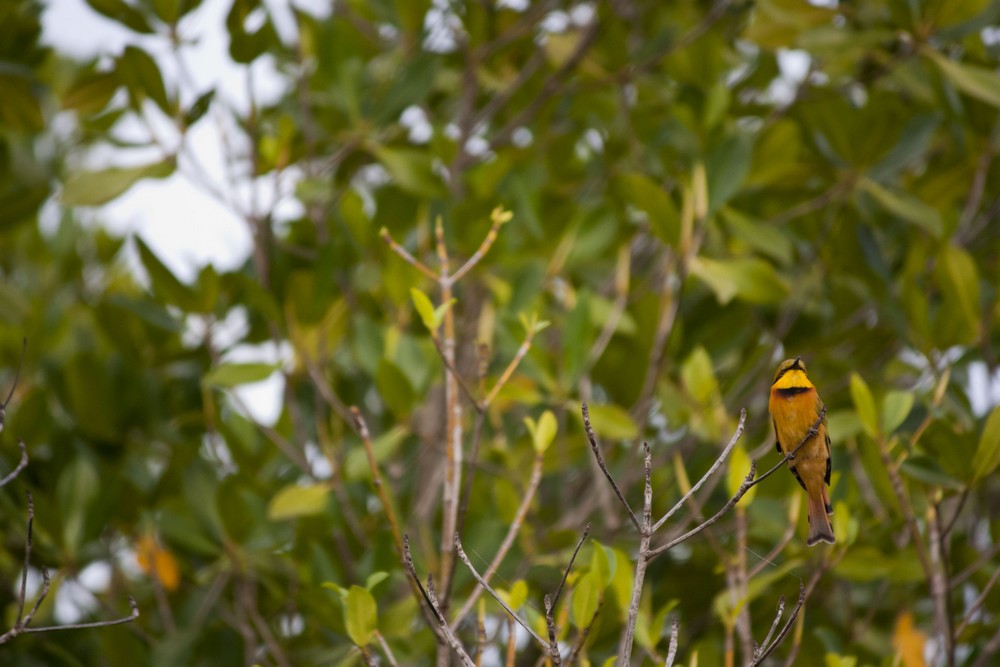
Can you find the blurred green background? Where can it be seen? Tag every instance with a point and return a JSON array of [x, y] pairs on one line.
[[698, 190]]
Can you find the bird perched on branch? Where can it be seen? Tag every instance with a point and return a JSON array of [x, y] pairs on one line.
[[796, 409]]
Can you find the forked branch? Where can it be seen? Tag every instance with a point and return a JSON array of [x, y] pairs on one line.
[[21, 625]]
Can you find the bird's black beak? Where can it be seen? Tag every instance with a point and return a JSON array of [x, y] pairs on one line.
[[798, 363]]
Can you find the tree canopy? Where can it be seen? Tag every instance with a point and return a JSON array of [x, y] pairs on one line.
[[503, 211]]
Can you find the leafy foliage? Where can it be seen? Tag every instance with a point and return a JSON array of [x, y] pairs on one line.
[[698, 190]]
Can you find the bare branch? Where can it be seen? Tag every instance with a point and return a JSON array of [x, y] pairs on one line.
[[511, 367], [133, 614], [17, 376], [774, 626], [399, 540], [431, 602], [386, 650], [450, 367], [27, 561], [711, 471], [572, 559], [405, 254], [584, 633], [20, 466], [550, 624], [744, 487], [977, 604], [508, 540], [672, 649], [766, 649], [499, 217], [482, 582], [641, 561], [962, 576], [604, 468]]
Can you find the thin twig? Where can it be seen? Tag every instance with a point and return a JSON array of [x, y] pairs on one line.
[[737, 434], [604, 468], [641, 561], [482, 582], [450, 367], [406, 256], [572, 559], [774, 626], [499, 217], [20, 466], [672, 649], [984, 558], [13, 386], [133, 614], [581, 639], [511, 367], [398, 539], [550, 625], [940, 589], [431, 603], [977, 604], [768, 648], [748, 483], [480, 633], [991, 647], [386, 650], [508, 540]]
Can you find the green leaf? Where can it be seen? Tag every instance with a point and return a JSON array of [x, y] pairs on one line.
[[165, 285], [375, 578], [79, 486], [906, 206], [739, 466], [516, 596], [727, 166], [955, 271], [864, 405], [602, 564], [360, 615], [122, 13], [749, 278], [542, 433], [698, 377], [987, 455], [586, 597], [611, 421], [643, 193], [338, 589], [441, 311], [91, 92], [296, 501], [234, 374], [246, 46], [93, 188], [979, 82], [199, 108], [896, 406], [141, 75], [385, 447], [411, 169], [394, 388], [424, 308]]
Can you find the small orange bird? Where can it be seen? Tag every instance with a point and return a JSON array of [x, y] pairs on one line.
[[795, 406]]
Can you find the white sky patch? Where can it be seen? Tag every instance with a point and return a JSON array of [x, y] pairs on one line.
[[263, 399]]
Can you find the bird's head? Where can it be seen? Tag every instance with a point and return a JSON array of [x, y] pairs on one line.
[[792, 372]]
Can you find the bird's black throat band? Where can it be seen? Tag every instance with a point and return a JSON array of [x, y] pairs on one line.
[[792, 391]]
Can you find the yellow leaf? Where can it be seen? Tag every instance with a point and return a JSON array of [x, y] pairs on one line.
[[909, 641], [156, 561]]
